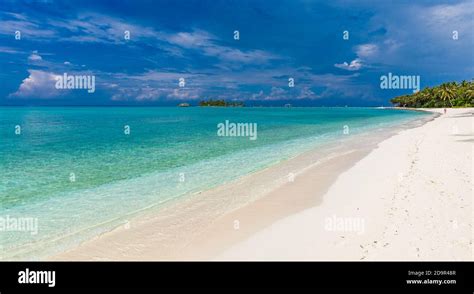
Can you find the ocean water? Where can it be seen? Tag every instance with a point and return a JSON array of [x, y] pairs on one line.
[[76, 172]]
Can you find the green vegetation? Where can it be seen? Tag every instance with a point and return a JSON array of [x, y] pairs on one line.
[[445, 95], [221, 103]]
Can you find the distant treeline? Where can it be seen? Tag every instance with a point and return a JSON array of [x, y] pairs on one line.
[[445, 95], [221, 103]]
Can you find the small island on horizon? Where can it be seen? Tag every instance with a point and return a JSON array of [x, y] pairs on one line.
[[215, 103], [221, 103]]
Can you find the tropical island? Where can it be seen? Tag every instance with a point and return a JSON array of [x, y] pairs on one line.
[[221, 103], [451, 94]]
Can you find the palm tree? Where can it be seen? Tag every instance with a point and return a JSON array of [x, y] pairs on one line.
[[456, 94], [469, 95], [446, 93]]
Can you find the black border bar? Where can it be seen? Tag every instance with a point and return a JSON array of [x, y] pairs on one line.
[[367, 275]]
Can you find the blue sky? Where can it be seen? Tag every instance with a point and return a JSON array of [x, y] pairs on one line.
[[194, 40]]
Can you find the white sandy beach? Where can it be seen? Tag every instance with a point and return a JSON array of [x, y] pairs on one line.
[[407, 198], [413, 195]]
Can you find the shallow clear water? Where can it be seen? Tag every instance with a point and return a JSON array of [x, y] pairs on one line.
[[77, 172]]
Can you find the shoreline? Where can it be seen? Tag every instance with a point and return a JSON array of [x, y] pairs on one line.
[[216, 226], [419, 206]]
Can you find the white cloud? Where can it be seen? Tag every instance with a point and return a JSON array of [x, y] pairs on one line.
[[417, 35], [148, 93], [39, 84], [355, 64], [99, 28], [208, 45], [459, 14], [235, 55], [196, 39], [184, 94], [366, 50], [307, 93], [278, 93], [162, 85], [365, 53], [35, 56], [9, 50], [12, 22]]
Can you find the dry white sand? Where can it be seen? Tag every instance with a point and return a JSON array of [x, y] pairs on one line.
[[409, 199]]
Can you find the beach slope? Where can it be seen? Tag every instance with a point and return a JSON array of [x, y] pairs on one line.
[[410, 199]]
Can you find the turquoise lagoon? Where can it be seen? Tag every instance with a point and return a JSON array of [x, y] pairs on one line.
[[78, 173]]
